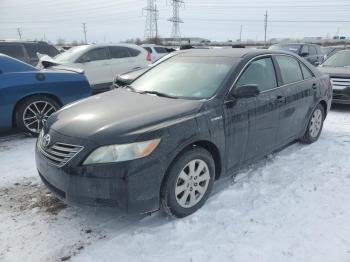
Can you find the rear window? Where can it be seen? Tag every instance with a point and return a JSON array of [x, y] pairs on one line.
[[290, 69], [33, 49], [119, 51], [133, 52], [161, 50], [12, 50]]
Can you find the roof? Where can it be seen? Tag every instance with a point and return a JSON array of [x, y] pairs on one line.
[[230, 52], [21, 41]]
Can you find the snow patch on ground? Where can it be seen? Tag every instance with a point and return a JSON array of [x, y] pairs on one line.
[[291, 206]]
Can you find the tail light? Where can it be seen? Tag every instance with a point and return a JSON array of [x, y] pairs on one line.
[[149, 57]]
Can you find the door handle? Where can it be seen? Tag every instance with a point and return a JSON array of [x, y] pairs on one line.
[[280, 99]]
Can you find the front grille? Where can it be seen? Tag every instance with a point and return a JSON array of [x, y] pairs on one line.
[[58, 154], [340, 83]]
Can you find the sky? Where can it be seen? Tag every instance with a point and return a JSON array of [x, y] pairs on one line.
[[217, 20]]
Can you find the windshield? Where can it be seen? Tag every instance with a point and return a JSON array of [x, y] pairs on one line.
[[339, 59], [186, 77], [71, 54], [290, 48]]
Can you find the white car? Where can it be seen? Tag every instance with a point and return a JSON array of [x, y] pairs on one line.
[[101, 62], [156, 51]]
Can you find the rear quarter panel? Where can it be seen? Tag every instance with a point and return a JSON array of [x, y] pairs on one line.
[[66, 87]]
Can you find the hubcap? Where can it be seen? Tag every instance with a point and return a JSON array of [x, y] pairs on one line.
[[316, 123], [192, 183], [36, 114]]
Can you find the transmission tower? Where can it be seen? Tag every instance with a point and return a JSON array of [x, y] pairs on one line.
[[151, 27], [175, 19]]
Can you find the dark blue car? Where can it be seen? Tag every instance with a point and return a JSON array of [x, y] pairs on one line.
[[28, 96]]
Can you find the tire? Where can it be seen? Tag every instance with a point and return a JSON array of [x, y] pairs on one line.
[[315, 125], [182, 197], [31, 113]]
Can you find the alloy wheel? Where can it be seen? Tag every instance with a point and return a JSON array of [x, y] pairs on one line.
[[192, 183], [36, 114], [316, 123]]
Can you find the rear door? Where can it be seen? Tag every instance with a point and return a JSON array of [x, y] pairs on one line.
[[295, 92], [97, 66], [14, 50], [121, 61]]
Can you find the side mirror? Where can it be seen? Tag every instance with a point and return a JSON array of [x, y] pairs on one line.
[[304, 54], [246, 91], [121, 81]]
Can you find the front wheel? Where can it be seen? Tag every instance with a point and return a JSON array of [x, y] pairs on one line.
[[188, 183], [33, 112], [315, 125]]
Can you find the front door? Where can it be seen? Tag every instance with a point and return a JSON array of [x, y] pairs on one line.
[[251, 124]]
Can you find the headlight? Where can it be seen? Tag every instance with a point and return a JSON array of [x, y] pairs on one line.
[[119, 153]]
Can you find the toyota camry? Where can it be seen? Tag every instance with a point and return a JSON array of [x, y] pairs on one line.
[[161, 141]]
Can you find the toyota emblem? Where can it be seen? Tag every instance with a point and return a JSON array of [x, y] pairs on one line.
[[46, 140]]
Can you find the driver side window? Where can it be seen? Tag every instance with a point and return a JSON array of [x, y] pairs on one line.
[[261, 73]]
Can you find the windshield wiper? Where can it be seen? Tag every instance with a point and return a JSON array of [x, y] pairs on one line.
[[130, 88], [158, 94]]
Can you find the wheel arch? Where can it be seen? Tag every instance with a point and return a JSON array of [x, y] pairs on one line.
[[54, 97], [205, 144]]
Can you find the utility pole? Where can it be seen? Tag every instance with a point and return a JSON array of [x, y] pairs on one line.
[[151, 26], [240, 34], [19, 32], [84, 31], [176, 20], [266, 17]]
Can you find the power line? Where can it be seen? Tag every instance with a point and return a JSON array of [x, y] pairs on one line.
[[175, 19], [151, 27]]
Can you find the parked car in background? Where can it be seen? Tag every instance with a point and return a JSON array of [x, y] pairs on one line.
[[338, 68], [156, 51], [331, 50], [28, 96], [100, 62], [163, 140], [26, 51], [310, 52]]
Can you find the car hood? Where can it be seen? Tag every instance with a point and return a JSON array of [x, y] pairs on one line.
[[335, 71], [119, 114]]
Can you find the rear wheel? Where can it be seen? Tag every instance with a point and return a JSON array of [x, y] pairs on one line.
[[315, 125], [188, 183], [33, 112]]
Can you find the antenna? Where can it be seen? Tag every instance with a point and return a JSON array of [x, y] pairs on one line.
[[175, 19], [151, 27]]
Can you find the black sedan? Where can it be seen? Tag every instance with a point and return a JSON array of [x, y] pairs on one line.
[[162, 141], [338, 68]]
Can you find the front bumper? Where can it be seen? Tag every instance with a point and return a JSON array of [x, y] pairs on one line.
[[341, 96], [132, 186]]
